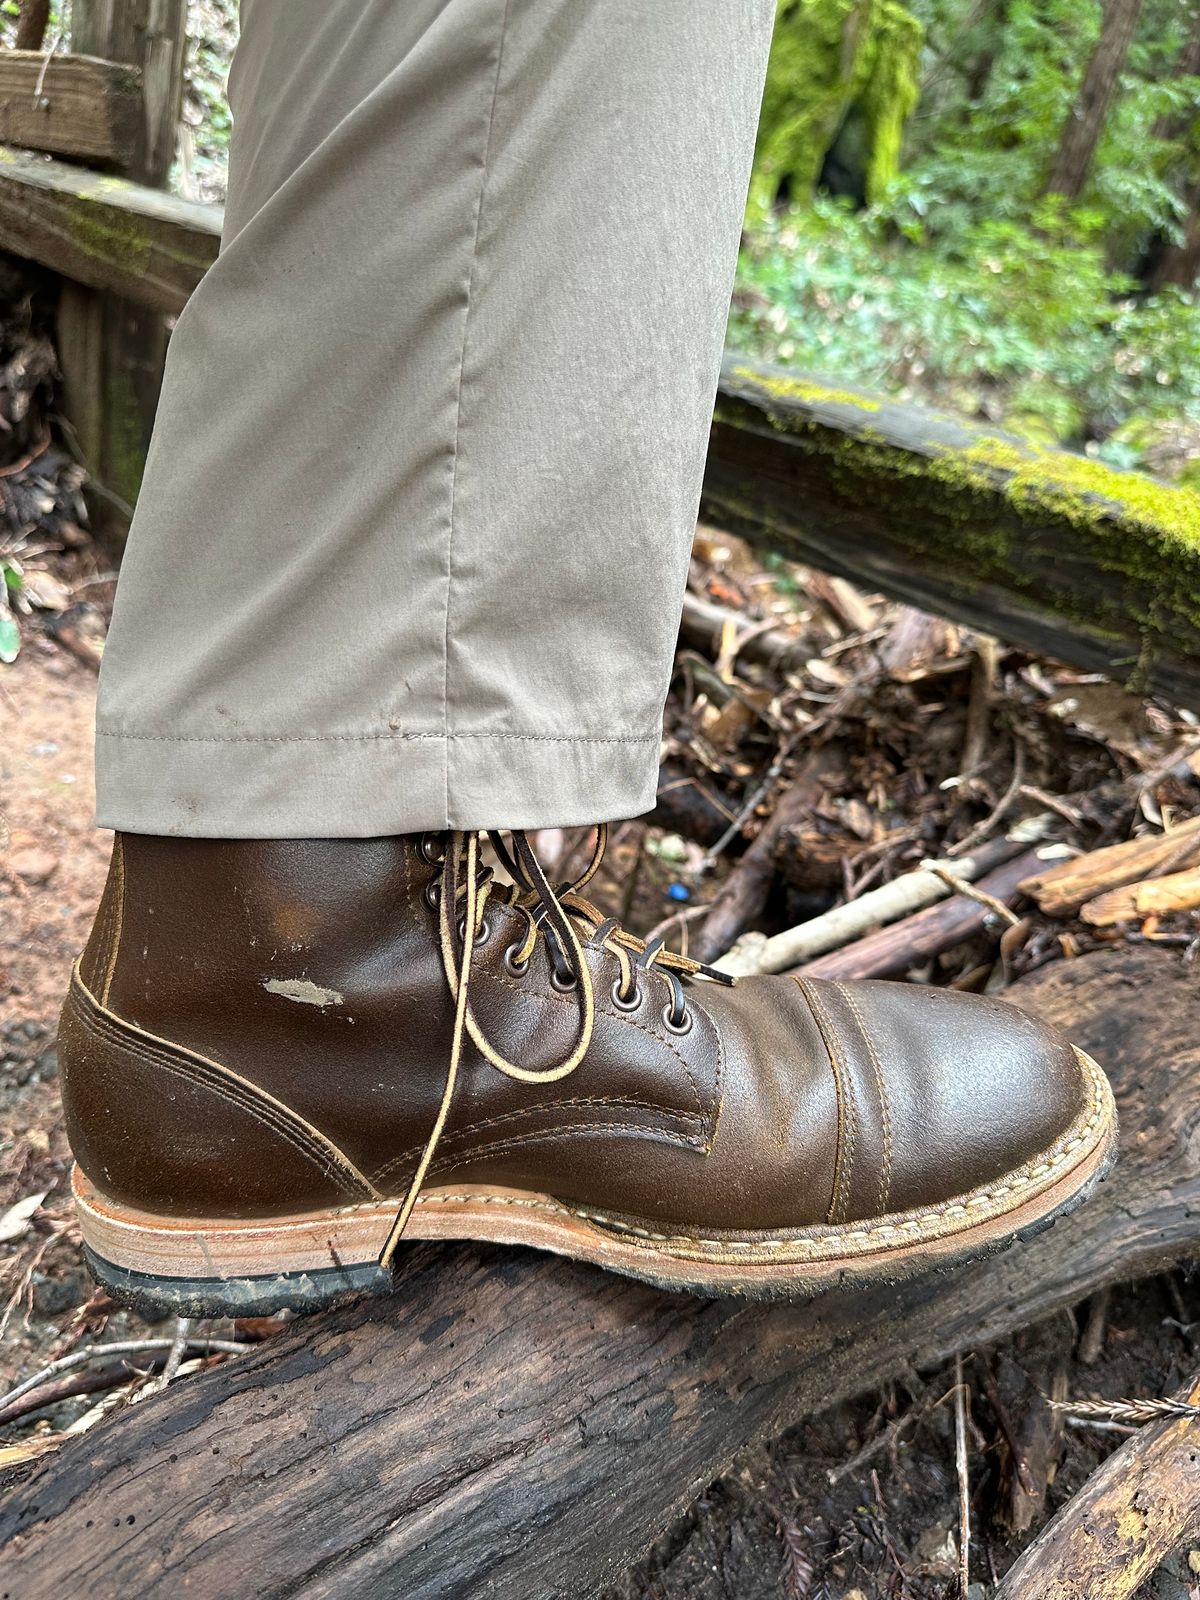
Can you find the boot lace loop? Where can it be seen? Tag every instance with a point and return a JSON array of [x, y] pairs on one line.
[[568, 924]]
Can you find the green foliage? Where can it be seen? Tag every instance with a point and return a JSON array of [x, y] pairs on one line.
[[10, 632], [212, 33], [1023, 323], [961, 283]]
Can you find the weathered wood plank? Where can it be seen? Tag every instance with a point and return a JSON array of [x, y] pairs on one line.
[[510, 1425], [123, 335], [104, 231], [151, 35], [1046, 549], [71, 105]]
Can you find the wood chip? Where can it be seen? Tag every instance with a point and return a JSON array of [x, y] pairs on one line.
[[1178, 891]]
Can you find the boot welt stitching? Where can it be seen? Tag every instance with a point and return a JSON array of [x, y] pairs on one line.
[[921, 1220]]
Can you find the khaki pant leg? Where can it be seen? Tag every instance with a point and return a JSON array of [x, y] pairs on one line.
[[413, 536]]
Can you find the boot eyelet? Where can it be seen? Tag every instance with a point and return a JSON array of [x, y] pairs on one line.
[[433, 893], [431, 849], [677, 1028], [512, 965], [482, 934], [563, 985], [625, 1002]]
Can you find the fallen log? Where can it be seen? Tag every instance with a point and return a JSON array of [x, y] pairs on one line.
[[1128, 1517], [1044, 549], [894, 949], [510, 1425]]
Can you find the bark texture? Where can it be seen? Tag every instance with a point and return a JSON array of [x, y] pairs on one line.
[[1109, 1538], [1041, 548]]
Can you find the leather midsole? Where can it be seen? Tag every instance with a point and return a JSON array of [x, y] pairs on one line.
[[222, 1248]]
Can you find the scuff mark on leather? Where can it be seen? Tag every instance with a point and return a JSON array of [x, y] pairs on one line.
[[304, 991]]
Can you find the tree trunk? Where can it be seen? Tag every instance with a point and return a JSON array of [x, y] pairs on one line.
[[1177, 261], [1096, 95], [31, 25], [511, 1425]]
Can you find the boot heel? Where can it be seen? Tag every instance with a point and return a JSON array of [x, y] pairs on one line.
[[207, 1267]]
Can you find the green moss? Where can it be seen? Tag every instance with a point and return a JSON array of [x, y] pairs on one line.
[[805, 391], [891, 91], [1113, 553], [831, 58], [1086, 494], [108, 234]]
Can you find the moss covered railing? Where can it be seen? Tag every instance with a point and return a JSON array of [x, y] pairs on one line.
[[1043, 548], [103, 231]]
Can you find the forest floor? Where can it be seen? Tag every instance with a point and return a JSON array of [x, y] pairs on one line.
[[860, 1502]]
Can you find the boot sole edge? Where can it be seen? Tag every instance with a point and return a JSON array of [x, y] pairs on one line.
[[210, 1267]]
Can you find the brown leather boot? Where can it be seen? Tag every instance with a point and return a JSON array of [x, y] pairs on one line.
[[277, 1057]]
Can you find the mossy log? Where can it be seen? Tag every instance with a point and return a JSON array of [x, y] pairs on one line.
[[1045, 549], [105, 232], [511, 1425]]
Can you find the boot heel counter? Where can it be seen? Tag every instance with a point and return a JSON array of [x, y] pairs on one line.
[[99, 959], [162, 1128]]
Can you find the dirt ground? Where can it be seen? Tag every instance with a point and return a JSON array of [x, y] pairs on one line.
[[860, 1503]]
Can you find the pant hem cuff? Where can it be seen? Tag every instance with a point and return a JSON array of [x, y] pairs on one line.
[[371, 787]]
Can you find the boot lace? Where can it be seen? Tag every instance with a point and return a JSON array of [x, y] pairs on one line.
[[567, 924]]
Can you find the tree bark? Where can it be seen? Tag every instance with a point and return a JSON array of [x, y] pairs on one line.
[[1100, 81], [511, 1425], [1177, 261], [31, 24]]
